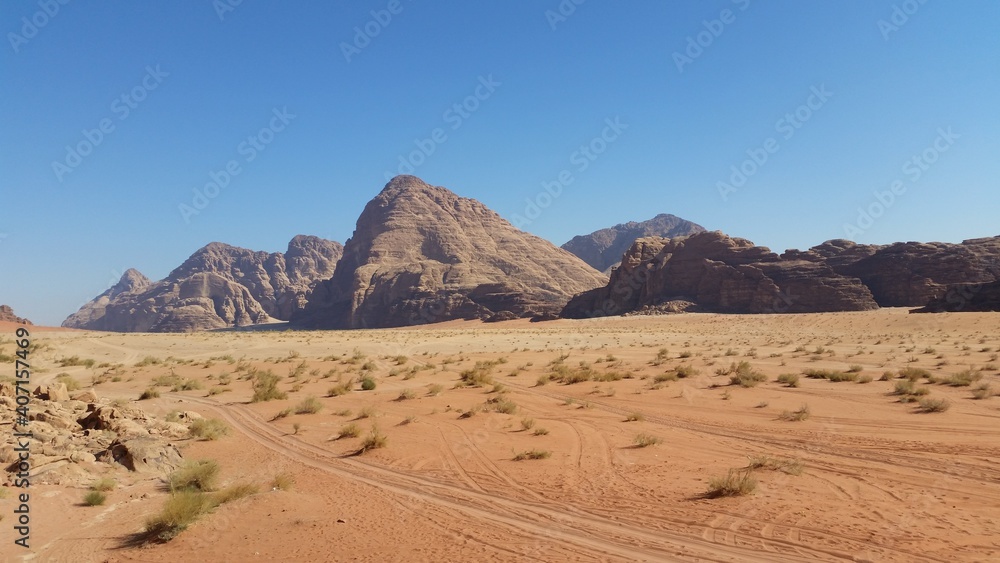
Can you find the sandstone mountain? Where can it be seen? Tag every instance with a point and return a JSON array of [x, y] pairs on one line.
[[965, 297], [421, 254], [7, 315], [714, 272], [219, 286], [92, 313], [603, 249]]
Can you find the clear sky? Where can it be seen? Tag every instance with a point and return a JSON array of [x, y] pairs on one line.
[[113, 113]]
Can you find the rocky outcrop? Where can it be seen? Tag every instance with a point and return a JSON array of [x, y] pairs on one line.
[[714, 272], [603, 249], [421, 254], [965, 297], [219, 286], [74, 441], [7, 316], [91, 315]]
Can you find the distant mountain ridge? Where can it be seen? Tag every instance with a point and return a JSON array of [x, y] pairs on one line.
[[603, 249], [7, 315], [218, 286]]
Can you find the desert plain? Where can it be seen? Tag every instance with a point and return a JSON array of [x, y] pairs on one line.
[[572, 440]]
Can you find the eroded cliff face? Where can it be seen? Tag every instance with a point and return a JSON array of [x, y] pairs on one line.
[[219, 286], [714, 272], [421, 254], [7, 315]]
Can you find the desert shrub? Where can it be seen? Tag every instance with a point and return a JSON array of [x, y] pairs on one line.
[[94, 498], [179, 512], [643, 440], [339, 389], [76, 361], [928, 404], [171, 380], [208, 428], [743, 374], [435, 389], [350, 430], [665, 377], [865, 379], [406, 394], [635, 417], [149, 361], [855, 368], [685, 371], [831, 375], [964, 378], [197, 475], [187, 385], [903, 387], [282, 482], [540, 431], [789, 379], [374, 440], [570, 375], [150, 393], [309, 405], [796, 416], [734, 483], [983, 391], [234, 492], [367, 383], [502, 405], [527, 423], [71, 383], [533, 454], [265, 387], [103, 484], [913, 374], [789, 466], [367, 412]]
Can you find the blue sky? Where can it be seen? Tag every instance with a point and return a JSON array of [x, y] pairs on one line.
[[696, 90]]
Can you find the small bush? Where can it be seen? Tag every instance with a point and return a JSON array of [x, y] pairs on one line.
[[309, 405], [635, 417], [795, 416], [367, 383], [282, 482], [197, 475], [533, 454], [540, 431], [964, 378], [903, 388], [789, 379], [340, 389], [150, 393], [643, 440], [71, 383], [734, 483], [913, 374], [928, 404], [374, 440], [265, 387], [865, 379], [406, 395], [104, 484], [743, 374], [94, 498], [983, 391], [208, 428], [435, 390], [367, 412], [349, 431], [179, 512], [789, 466], [527, 423], [234, 492]]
